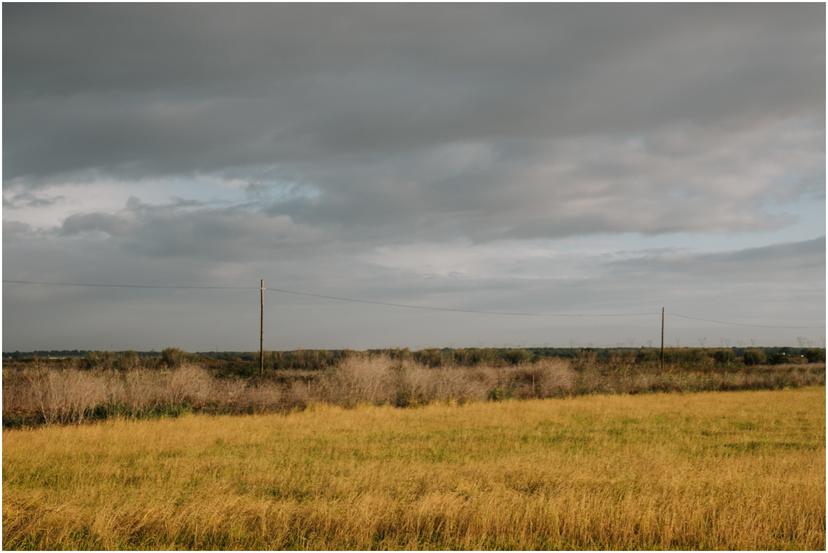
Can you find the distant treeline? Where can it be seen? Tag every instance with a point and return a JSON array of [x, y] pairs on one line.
[[247, 363]]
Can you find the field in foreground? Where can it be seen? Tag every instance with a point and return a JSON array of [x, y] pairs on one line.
[[732, 470]]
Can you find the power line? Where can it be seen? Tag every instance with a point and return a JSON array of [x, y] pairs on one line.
[[741, 324], [458, 310], [335, 298], [147, 286], [399, 305]]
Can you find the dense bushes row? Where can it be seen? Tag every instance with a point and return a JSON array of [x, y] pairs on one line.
[[41, 395], [247, 363]]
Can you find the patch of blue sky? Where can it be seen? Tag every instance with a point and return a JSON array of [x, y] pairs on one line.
[[210, 190], [808, 222]]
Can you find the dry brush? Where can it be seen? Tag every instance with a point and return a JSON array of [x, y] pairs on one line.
[[41, 395]]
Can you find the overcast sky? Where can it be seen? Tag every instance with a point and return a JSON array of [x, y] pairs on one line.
[[589, 159]]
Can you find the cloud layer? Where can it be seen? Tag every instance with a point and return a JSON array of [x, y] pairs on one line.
[[342, 147]]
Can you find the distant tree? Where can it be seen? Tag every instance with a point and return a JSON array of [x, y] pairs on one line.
[[646, 355], [724, 357], [780, 356], [516, 356], [128, 360], [815, 355], [754, 356], [91, 360], [173, 357], [429, 357]]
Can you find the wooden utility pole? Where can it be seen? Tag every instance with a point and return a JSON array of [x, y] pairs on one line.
[[261, 327], [662, 338]]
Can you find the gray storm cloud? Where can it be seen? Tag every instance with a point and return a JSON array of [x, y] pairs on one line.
[[311, 137]]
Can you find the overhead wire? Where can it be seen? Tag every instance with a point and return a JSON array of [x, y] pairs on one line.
[[458, 310], [330, 297], [399, 305], [732, 323], [147, 286]]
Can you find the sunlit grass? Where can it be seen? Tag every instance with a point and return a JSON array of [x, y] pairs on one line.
[[733, 470]]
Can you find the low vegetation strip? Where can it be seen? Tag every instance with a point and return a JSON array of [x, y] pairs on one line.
[[246, 364], [35, 395], [728, 470]]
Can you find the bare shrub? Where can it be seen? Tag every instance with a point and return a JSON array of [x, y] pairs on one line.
[[460, 384], [296, 395], [55, 396], [557, 378], [258, 399], [191, 385], [358, 379], [585, 359], [229, 391], [139, 391]]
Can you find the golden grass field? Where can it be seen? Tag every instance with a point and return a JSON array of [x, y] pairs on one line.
[[721, 470]]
